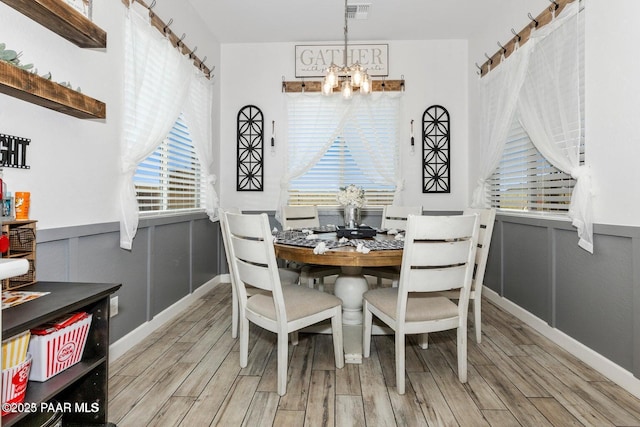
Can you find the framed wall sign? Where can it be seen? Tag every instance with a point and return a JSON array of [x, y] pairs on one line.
[[312, 60]]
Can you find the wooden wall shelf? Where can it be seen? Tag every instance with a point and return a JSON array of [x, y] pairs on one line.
[[32, 88], [62, 19]]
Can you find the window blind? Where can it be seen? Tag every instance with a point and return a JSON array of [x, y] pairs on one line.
[[170, 180], [364, 152], [524, 180]]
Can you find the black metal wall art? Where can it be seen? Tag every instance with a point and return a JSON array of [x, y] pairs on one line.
[[436, 177], [13, 151], [250, 149]]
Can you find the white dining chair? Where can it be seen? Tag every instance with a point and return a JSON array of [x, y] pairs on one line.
[[393, 218], [282, 309], [287, 276], [301, 217], [487, 220], [439, 254]]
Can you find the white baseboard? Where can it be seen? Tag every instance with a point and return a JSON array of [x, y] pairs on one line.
[[606, 367], [127, 342]]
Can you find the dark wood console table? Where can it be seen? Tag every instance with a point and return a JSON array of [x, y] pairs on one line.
[[85, 383]]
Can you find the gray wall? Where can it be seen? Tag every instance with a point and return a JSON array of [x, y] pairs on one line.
[[594, 299], [170, 258]]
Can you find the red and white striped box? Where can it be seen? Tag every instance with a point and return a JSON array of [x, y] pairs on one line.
[[14, 384], [58, 349]]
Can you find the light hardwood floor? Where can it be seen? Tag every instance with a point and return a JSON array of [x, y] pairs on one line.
[[188, 374]]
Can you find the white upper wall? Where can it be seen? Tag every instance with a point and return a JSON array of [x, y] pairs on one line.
[[74, 175], [435, 73]]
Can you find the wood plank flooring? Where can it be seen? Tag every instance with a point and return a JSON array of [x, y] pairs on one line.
[[188, 374]]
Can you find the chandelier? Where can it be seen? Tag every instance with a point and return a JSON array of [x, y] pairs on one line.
[[348, 77]]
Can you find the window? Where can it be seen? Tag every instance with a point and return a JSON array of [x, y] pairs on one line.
[[357, 146], [170, 180], [524, 180]]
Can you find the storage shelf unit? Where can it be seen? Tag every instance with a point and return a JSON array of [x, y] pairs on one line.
[[86, 382], [63, 20], [22, 238]]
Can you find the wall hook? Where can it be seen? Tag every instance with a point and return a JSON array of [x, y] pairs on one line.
[[192, 52], [516, 34], [166, 27], [153, 4], [504, 49], [489, 58], [179, 42], [556, 5], [532, 18]]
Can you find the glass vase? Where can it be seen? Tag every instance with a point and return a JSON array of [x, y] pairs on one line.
[[351, 216]]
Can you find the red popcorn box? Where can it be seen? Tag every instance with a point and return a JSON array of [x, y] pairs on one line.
[[58, 345], [14, 384]]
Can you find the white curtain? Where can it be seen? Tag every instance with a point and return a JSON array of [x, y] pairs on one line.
[[354, 116], [151, 64], [549, 107], [499, 91], [334, 110], [370, 128], [198, 112]]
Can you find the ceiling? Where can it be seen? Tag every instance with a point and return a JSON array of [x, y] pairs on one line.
[[270, 21]]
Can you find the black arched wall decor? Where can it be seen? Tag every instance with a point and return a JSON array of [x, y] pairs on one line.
[[436, 177], [250, 149]]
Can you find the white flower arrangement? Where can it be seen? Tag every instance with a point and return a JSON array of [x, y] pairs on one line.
[[351, 195]]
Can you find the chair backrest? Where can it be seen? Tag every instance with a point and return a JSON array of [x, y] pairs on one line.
[[225, 239], [439, 254], [487, 220], [296, 217], [395, 217], [253, 257]]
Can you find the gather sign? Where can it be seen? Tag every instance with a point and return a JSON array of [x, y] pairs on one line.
[[313, 60]]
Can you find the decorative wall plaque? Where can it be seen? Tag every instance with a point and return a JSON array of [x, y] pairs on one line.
[[436, 177], [250, 149], [13, 151]]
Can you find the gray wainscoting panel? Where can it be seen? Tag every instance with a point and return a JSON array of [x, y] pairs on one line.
[[171, 257], [170, 265], [594, 294], [526, 268], [205, 246], [493, 272], [593, 298], [52, 261], [100, 259]]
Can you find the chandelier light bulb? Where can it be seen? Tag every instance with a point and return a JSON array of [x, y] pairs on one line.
[[356, 76], [346, 89], [327, 87], [365, 86]]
